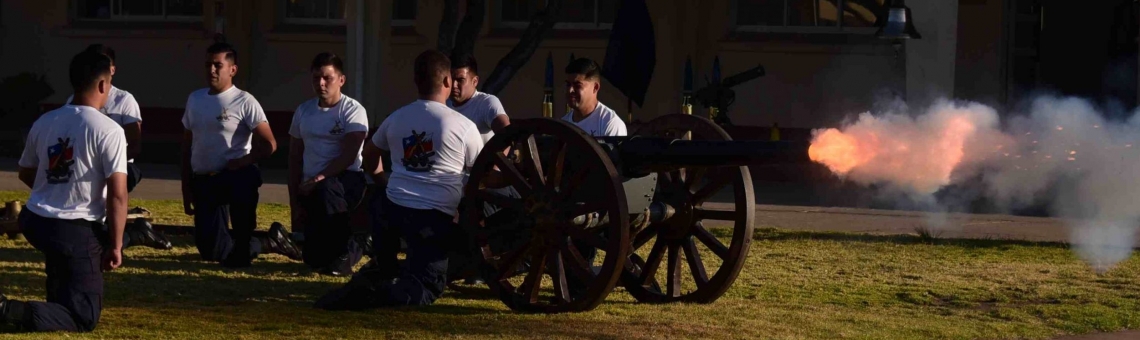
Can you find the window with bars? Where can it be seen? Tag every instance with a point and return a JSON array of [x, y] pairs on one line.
[[141, 10], [575, 14], [807, 16], [314, 12]]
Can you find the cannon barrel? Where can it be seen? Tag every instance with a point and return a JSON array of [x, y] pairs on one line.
[[641, 155]]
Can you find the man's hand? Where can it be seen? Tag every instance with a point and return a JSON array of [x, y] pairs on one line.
[[241, 162], [308, 186], [112, 259], [188, 200]]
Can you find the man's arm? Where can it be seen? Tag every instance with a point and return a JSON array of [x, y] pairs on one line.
[[373, 164], [116, 218], [499, 123], [187, 172], [296, 165], [263, 146], [28, 176], [133, 132]]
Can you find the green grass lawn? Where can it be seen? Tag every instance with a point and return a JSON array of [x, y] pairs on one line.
[[795, 285]]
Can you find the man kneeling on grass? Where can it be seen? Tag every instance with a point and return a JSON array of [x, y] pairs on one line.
[[75, 161], [438, 145]]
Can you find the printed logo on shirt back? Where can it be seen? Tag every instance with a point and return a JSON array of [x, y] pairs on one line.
[[418, 150], [60, 159]]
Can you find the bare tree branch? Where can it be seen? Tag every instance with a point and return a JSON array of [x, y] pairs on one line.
[[447, 26], [469, 30], [540, 25]]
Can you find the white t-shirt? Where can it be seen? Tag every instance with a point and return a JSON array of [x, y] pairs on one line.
[[222, 125], [121, 107], [602, 122], [436, 146], [323, 128], [481, 109], [74, 149]]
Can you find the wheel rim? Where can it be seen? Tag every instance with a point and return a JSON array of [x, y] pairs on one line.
[[712, 265], [559, 173]]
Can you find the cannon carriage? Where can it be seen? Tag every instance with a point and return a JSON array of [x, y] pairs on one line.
[[583, 213]]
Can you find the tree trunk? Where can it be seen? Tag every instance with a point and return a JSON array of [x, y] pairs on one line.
[[540, 25], [469, 30], [447, 26]]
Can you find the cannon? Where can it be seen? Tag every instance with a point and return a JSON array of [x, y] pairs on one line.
[[584, 213]]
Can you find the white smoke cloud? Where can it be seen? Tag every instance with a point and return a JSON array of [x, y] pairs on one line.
[[1063, 151]]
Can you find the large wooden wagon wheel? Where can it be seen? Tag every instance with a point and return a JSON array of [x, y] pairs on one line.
[[569, 203], [697, 229]]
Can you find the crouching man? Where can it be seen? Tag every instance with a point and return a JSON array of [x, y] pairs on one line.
[[436, 147]]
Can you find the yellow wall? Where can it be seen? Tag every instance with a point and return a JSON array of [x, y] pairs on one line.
[[810, 81]]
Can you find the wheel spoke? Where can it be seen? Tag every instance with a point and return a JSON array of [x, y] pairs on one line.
[[507, 267], [498, 199], [674, 271], [694, 176], [532, 163], [506, 168], [649, 273], [695, 265], [644, 236], [557, 166], [558, 275], [533, 281], [716, 215], [582, 270], [711, 241], [708, 191]]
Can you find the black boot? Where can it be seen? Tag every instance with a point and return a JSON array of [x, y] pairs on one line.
[[280, 243], [141, 233], [14, 312]]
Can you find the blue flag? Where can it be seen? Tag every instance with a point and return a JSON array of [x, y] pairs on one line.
[[632, 51]]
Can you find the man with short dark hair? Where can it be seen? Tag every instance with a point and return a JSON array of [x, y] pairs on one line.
[[226, 134], [434, 147], [122, 108], [483, 109], [325, 176], [75, 162], [583, 80]]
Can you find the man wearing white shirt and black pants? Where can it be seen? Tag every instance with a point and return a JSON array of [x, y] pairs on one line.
[[432, 148], [583, 80], [226, 134], [75, 162], [325, 177], [122, 108]]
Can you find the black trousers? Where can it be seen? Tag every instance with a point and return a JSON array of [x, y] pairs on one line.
[[429, 234], [227, 197], [328, 234], [74, 273]]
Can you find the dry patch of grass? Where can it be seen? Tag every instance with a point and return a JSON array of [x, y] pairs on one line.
[[795, 285]]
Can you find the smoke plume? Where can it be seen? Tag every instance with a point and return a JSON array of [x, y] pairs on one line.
[[1062, 151]]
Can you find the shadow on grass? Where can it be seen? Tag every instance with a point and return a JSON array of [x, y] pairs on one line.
[[772, 234]]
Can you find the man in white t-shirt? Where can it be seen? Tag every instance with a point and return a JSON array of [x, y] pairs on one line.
[[483, 109], [122, 108], [226, 134], [75, 162], [583, 80], [432, 148], [325, 177]]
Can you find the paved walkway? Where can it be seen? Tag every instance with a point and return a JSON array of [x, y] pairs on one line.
[[161, 182]]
